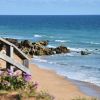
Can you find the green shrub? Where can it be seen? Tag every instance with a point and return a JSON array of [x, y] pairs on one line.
[[44, 96]]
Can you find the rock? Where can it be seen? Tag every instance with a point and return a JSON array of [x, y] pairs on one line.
[[32, 51], [96, 49], [20, 46], [39, 53], [38, 48], [2, 46], [62, 49], [85, 53], [49, 51], [42, 43], [14, 41], [25, 50], [25, 43]]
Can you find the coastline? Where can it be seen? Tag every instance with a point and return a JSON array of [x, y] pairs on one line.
[[56, 85], [60, 87], [69, 88], [65, 76], [87, 88]]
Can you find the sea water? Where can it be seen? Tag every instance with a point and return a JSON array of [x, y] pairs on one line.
[[76, 32]]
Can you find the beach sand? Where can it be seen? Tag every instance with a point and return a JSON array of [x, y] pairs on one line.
[[54, 84]]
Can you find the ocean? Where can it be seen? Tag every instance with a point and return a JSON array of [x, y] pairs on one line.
[[77, 32]]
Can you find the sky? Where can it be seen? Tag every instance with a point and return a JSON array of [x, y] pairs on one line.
[[49, 7]]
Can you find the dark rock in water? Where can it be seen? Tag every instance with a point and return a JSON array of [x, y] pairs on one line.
[[2, 46], [25, 43], [20, 46], [49, 51], [31, 52], [14, 41], [38, 48], [61, 49], [85, 53], [42, 43]]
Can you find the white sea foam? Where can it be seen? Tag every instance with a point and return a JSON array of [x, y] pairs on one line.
[[51, 46], [94, 43], [62, 41], [73, 73], [17, 37], [70, 54], [80, 49], [37, 35], [76, 49], [91, 42], [40, 60], [80, 77], [93, 51]]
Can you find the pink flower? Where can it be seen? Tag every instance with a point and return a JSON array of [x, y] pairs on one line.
[[27, 77], [1, 72], [10, 71]]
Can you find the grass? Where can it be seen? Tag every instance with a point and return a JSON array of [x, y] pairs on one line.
[[83, 98]]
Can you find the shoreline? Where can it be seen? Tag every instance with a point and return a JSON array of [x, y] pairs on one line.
[[56, 85], [86, 89], [61, 87]]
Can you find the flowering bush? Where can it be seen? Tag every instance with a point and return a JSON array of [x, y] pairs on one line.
[[11, 80], [27, 77]]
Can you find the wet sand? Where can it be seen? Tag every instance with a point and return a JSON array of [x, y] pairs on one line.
[[87, 88]]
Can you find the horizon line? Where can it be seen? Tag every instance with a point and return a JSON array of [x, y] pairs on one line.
[[49, 15]]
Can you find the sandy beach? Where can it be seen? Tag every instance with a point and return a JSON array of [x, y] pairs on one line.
[[58, 86], [54, 84], [49, 81]]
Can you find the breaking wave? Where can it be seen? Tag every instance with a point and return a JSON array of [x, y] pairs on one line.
[[37, 35], [62, 41]]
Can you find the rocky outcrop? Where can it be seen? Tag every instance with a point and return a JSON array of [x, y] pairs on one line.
[[85, 53], [41, 50], [38, 48], [61, 49], [26, 43], [14, 41], [42, 43]]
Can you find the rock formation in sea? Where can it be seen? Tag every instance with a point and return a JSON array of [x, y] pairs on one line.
[[38, 48]]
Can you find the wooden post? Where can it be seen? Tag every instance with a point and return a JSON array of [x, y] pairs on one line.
[[9, 52], [10, 49], [26, 62]]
